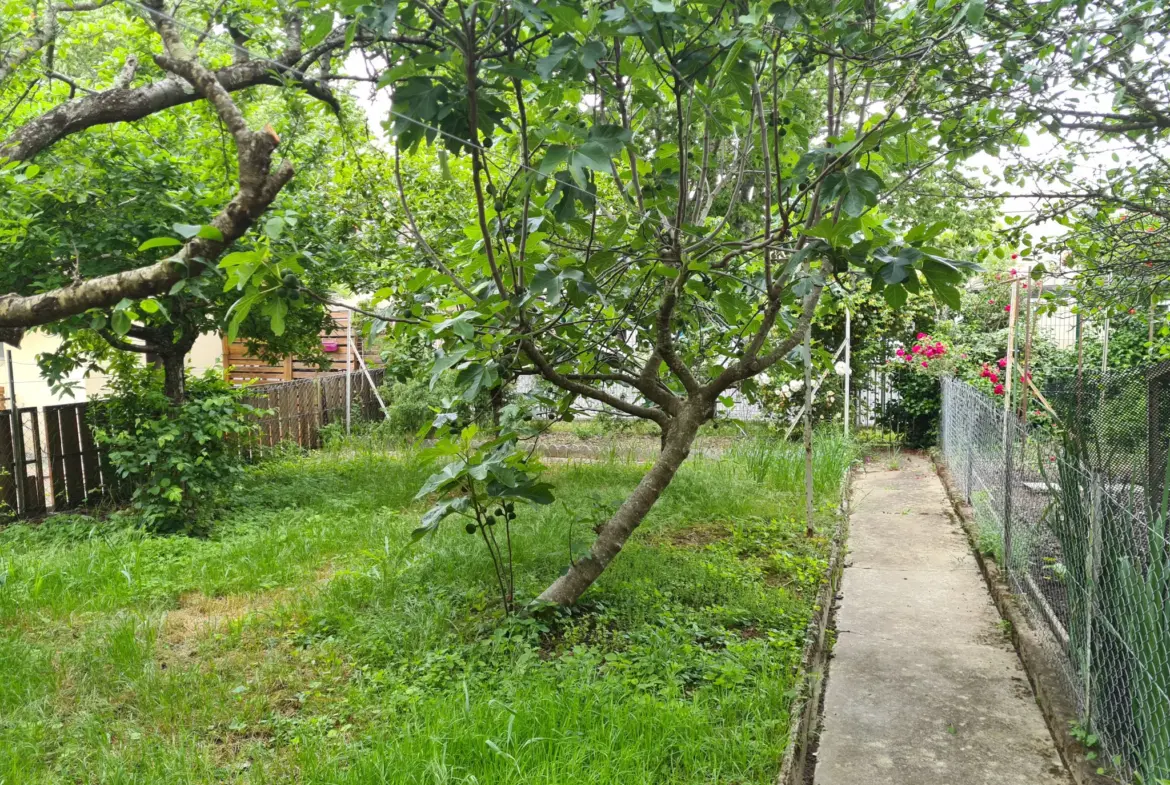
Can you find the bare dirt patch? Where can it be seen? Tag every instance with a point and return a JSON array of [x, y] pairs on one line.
[[199, 615], [699, 536]]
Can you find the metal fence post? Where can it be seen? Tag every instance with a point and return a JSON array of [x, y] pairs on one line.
[[1008, 455], [1092, 558], [970, 478]]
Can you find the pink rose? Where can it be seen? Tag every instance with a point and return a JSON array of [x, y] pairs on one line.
[[999, 389], [1002, 362], [994, 377], [925, 364]]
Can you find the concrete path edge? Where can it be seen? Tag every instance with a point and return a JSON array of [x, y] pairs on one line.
[[805, 714], [1059, 711]]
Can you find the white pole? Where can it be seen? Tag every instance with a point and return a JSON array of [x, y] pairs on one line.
[[374, 387], [816, 389], [348, 368], [848, 364]]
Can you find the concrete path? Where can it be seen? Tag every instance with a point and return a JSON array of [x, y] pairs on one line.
[[924, 688]]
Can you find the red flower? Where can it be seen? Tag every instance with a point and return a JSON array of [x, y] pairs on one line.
[[991, 302], [1002, 362], [920, 336], [901, 352], [994, 377], [998, 389], [1131, 310], [1007, 309], [1015, 256], [925, 364], [916, 348], [1013, 270]]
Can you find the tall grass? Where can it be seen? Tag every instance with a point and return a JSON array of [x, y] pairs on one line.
[[777, 463]]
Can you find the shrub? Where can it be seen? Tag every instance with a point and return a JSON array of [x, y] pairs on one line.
[[915, 411], [172, 458], [413, 404]]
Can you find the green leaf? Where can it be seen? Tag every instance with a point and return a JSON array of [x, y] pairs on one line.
[[896, 295], [209, 232], [859, 189], [975, 11], [320, 25], [446, 362], [274, 227], [556, 53], [557, 154], [120, 323], [946, 294], [159, 242], [187, 230], [149, 306]]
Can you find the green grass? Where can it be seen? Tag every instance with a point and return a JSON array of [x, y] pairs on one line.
[[304, 640]]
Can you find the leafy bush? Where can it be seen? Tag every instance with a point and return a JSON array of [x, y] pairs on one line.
[[915, 411], [172, 458], [413, 404]]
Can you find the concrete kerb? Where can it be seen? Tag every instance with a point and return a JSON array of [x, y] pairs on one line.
[[1060, 713], [806, 708]]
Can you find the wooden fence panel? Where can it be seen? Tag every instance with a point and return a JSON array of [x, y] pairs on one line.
[[34, 484], [78, 471], [95, 485], [71, 457], [7, 464], [56, 458]]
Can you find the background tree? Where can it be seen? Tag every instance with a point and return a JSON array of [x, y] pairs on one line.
[[119, 74]]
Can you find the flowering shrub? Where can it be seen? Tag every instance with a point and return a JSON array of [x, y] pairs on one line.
[[914, 412], [926, 353]]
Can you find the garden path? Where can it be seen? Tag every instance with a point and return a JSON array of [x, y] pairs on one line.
[[924, 687]]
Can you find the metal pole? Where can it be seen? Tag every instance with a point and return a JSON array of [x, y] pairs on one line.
[[348, 369], [1009, 369], [1092, 559], [810, 529], [1008, 454], [848, 365], [969, 415], [18, 465]]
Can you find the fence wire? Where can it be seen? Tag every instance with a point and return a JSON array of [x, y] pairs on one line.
[[1074, 509]]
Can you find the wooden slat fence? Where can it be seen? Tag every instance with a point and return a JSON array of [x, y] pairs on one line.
[[64, 469]]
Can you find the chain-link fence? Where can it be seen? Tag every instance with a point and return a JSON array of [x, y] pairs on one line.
[[1074, 508]]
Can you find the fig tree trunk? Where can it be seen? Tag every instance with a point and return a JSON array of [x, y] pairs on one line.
[[676, 446]]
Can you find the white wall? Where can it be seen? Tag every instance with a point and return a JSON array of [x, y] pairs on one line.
[[31, 389]]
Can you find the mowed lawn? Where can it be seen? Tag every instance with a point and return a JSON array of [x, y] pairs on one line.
[[305, 639]]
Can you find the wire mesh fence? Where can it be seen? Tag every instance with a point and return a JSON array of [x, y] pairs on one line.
[[1075, 511]]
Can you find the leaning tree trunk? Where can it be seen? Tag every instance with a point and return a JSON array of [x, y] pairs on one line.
[[568, 588]]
